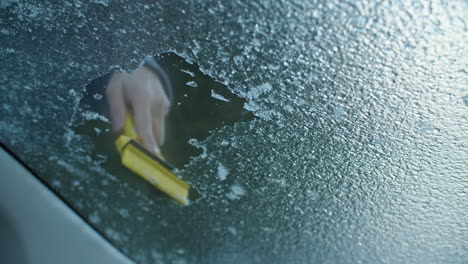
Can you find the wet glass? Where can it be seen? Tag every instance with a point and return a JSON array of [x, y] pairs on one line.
[[354, 148]]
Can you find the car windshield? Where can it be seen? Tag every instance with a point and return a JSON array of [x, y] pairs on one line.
[[337, 130]]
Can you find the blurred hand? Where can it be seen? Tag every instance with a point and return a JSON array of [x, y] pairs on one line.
[[142, 93]]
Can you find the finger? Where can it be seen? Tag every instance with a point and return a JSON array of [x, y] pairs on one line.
[[160, 111], [144, 127], [159, 128], [117, 107]]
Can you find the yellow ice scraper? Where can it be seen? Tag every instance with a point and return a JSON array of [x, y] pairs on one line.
[[149, 166]]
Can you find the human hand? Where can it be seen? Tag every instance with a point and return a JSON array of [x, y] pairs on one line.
[[141, 93]]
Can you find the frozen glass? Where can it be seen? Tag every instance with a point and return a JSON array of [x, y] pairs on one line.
[[358, 152]]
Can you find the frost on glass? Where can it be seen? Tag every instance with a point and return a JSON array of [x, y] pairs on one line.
[[357, 154]]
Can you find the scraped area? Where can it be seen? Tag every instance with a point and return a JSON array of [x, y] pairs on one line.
[[357, 152]]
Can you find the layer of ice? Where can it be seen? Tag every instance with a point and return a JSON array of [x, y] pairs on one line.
[[236, 192], [189, 72], [219, 97], [324, 185], [192, 83], [222, 172]]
